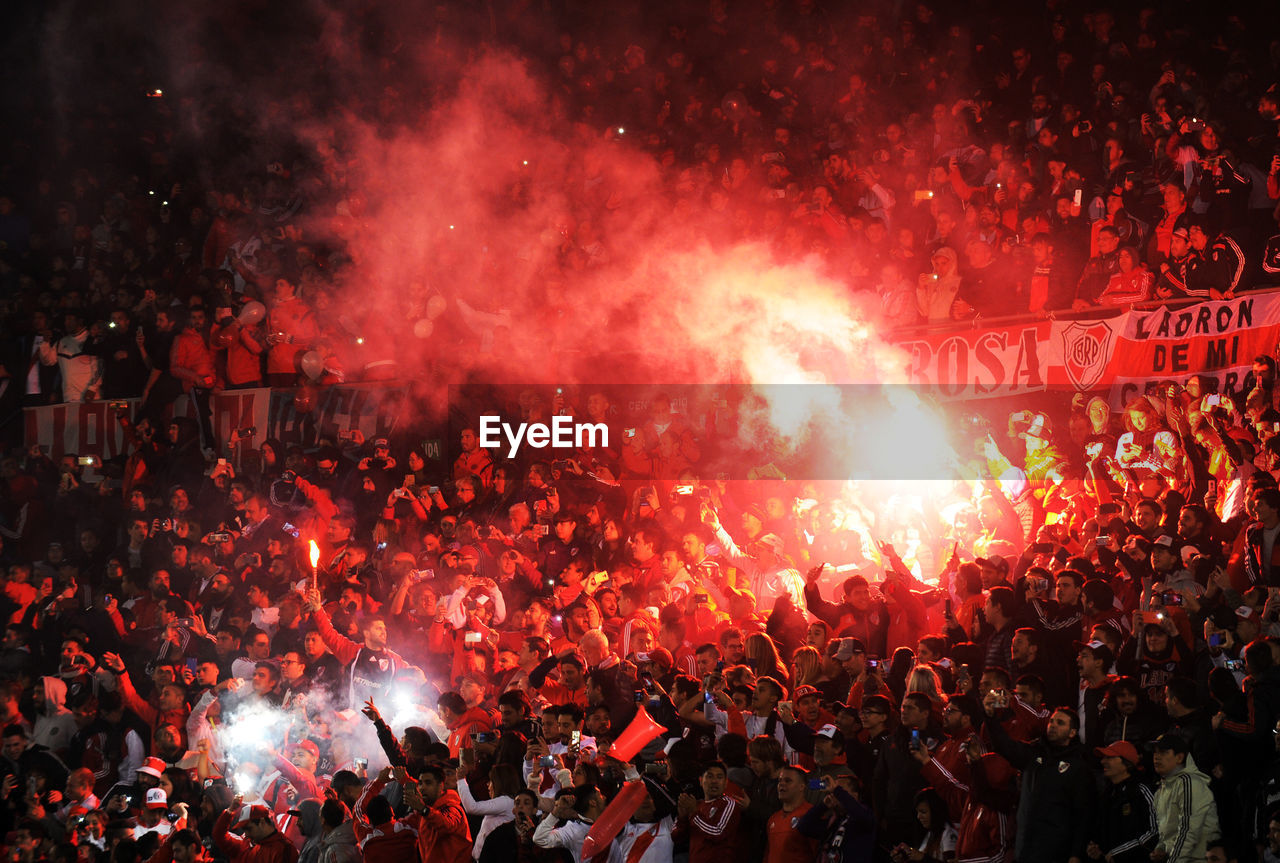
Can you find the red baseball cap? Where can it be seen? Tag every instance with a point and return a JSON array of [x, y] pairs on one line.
[[1120, 749]]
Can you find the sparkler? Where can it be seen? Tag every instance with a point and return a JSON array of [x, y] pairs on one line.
[[315, 562]]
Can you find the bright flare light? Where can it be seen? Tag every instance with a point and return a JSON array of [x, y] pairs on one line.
[[315, 553]]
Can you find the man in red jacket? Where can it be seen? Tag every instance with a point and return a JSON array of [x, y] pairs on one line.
[[191, 364], [381, 838], [443, 833], [170, 707], [462, 720], [262, 842], [714, 825]]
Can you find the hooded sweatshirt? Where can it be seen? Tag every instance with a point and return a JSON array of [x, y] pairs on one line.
[[308, 824], [936, 295], [1186, 814], [54, 725], [339, 845]]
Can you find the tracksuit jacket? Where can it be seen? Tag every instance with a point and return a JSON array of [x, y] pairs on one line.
[[1186, 814]]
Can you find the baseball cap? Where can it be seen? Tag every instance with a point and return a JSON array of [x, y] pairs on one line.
[[805, 691], [308, 745], [828, 731], [1163, 541], [1038, 427], [844, 649], [252, 813], [1099, 650], [152, 767], [381, 443], [661, 656], [157, 799], [1120, 749], [1171, 742], [773, 542], [998, 563]]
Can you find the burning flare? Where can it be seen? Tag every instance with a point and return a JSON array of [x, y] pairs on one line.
[[315, 553]]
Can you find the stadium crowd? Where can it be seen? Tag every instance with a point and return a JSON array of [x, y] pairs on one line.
[[1074, 657]]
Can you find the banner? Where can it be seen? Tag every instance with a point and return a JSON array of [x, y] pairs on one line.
[[981, 363], [91, 428], [1136, 350], [1217, 340]]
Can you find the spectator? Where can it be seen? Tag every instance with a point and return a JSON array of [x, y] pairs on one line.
[[1184, 808]]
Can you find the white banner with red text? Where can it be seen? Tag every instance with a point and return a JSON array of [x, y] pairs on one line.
[[1126, 353]]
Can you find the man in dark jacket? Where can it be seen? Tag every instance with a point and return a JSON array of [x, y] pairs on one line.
[[860, 614], [897, 776], [1055, 809], [1125, 830]]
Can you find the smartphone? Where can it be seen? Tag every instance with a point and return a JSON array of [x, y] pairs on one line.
[[1171, 598], [1234, 665], [915, 738], [1102, 541], [1079, 199], [433, 490], [1217, 639], [873, 664], [409, 480], [629, 432], [1211, 488], [684, 489], [472, 638], [815, 785], [541, 529], [192, 662], [655, 768], [1212, 400], [547, 761], [362, 763], [87, 461], [485, 737], [575, 738]]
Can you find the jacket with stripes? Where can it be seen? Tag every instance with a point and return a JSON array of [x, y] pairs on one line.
[[1186, 814]]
